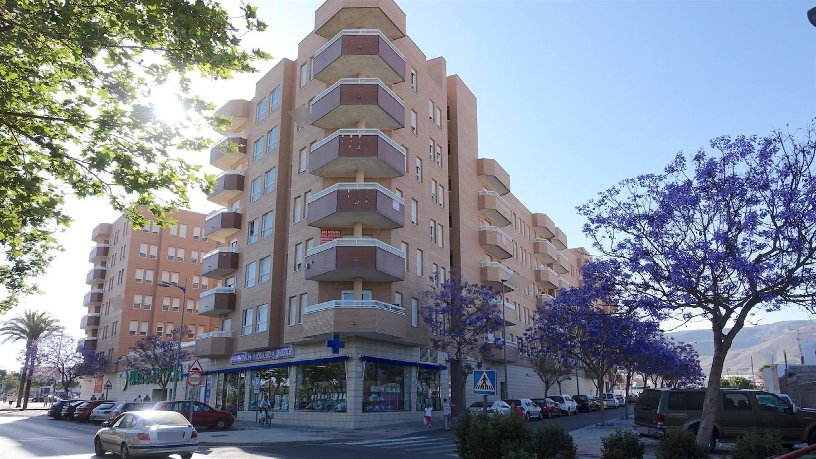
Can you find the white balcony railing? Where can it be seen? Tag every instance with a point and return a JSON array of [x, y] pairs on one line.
[[495, 195], [230, 249], [358, 132], [213, 291], [495, 264], [546, 268], [345, 81], [215, 334], [365, 304], [359, 32], [225, 173], [355, 242], [355, 186], [220, 211], [545, 242]]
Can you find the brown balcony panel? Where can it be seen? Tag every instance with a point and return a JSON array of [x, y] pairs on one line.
[[349, 103], [219, 265], [560, 239], [343, 207], [347, 54], [344, 263], [87, 345], [214, 346], [495, 210], [92, 298], [89, 321], [370, 323], [238, 111], [101, 233], [98, 253], [495, 353], [216, 304], [348, 151], [95, 275], [493, 175], [229, 153], [561, 265], [545, 251], [492, 277], [333, 17], [544, 225], [222, 225], [228, 187], [495, 244], [547, 278]]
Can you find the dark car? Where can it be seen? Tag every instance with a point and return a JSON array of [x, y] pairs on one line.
[[83, 411], [585, 403], [55, 411], [122, 407], [69, 409], [203, 415]]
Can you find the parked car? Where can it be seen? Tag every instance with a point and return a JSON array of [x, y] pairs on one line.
[[102, 412], [565, 403], [597, 403], [203, 415], [122, 407], [585, 403], [69, 409], [83, 411], [621, 400], [38, 398], [632, 399], [611, 401], [527, 408], [741, 411], [139, 433], [497, 406], [548, 407], [55, 411]]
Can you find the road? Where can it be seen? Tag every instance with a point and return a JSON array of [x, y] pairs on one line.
[[33, 434]]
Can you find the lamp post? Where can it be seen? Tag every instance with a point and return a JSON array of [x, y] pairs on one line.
[[183, 331], [504, 342]]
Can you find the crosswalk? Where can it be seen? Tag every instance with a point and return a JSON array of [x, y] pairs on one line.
[[430, 446]]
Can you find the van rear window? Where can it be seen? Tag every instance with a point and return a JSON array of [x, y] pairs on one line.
[[649, 399], [686, 400]]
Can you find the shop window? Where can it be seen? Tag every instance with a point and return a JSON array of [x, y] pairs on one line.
[[274, 384], [322, 387], [385, 388], [428, 389]]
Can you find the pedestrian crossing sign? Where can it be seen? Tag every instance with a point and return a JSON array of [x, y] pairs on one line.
[[484, 382]]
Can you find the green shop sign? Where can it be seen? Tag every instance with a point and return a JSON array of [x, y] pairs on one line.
[[147, 376]]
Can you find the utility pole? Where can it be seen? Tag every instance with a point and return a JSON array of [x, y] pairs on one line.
[[799, 342], [753, 375]]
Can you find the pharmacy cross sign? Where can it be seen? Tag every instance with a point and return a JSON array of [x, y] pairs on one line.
[[335, 344]]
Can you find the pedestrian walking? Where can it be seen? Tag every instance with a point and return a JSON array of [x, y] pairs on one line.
[[138, 399], [447, 412], [428, 416]]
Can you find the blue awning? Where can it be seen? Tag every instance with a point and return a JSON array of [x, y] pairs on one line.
[[263, 366], [405, 363]]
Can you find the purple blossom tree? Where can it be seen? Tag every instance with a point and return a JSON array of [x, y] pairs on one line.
[[552, 366], [155, 358], [59, 360], [717, 237], [460, 315]]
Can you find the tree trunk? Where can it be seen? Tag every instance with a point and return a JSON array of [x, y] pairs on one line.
[[546, 389], [30, 374], [23, 375], [600, 385], [27, 393], [712, 395], [458, 382]]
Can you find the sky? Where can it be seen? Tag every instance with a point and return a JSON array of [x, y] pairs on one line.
[[573, 96]]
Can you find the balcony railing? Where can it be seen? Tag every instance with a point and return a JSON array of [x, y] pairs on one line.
[[346, 81], [359, 32], [213, 291], [215, 334], [356, 242], [221, 211], [497, 265], [355, 186], [496, 229], [225, 248], [358, 132], [345, 304], [497, 196]]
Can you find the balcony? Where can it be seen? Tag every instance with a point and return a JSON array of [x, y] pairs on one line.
[[213, 344], [563, 283], [221, 224], [492, 274], [346, 151], [87, 343], [351, 100], [545, 298], [494, 350], [544, 225], [343, 204], [344, 259], [102, 233], [493, 175], [229, 153], [545, 250], [93, 298], [354, 49], [368, 318], [228, 187], [495, 208], [560, 239], [99, 253], [546, 276], [332, 17], [496, 242], [96, 274], [220, 263], [238, 111], [90, 320], [561, 264], [216, 302]]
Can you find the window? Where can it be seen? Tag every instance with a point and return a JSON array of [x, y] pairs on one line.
[[166, 303], [159, 328], [169, 327], [438, 117], [435, 274], [397, 299], [149, 276], [252, 231], [194, 256], [143, 327], [439, 155], [267, 222], [414, 205], [260, 146], [275, 99], [297, 209], [154, 251], [255, 189], [298, 256], [292, 310], [431, 149], [190, 305], [303, 158], [176, 304], [418, 170], [171, 253], [196, 233], [432, 231], [413, 80], [250, 274], [204, 282], [306, 196], [419, 262], [304, 301], [385, 387], [321, 387], [414, 123], [191, 331], [304, 74], [246, 321], [196, 281], [440, 235], [270, 180], [134, 327], [404, 248], [148, 302], [180, 254], [433, 190], [137, 301], [173, 230], [260, 111], [262, 321], [273, 139], [264, 270], [309, 244], [414, 311], [348, 295], [165, 276], [440, 195], [443, 274], [139, 276], [143, 250], [183, 231]]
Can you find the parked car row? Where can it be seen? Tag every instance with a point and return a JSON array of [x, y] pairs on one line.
[[553, 405], [101, 411]]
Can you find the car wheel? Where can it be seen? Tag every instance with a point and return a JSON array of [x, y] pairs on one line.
[[124, 453], [221, 424], [527, 417], [812, 437], [98, 449], [186, 455]]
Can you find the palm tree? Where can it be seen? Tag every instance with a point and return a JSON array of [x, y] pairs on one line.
[[30, 326]]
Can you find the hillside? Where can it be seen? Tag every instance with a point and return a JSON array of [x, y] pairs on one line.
[[766, 343]]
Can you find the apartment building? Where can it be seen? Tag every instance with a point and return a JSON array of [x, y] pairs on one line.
[[348, 180], [126, 302]]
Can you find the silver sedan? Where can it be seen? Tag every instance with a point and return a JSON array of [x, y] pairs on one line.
[[147, 433]]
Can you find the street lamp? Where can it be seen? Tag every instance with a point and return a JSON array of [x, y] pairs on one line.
[[504, 341], [183, 331], [812, 16]]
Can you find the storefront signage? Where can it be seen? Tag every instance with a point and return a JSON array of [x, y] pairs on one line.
[[147, 376], [273, 354]]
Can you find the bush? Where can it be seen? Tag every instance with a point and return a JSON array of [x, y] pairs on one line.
[[480, 437], [518, 454], [757, 445], [622, 444], [680, 444], [553, 442]]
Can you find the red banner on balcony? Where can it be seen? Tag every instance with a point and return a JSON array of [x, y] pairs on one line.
[[328, 235]]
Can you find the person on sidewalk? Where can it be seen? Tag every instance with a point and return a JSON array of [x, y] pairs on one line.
[[138, 399], [264, 408], [146, 398], [447, 413], [428, 416], [93, 397]]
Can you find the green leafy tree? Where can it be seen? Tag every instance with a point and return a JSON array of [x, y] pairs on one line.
[[75, 81], [28, 327]]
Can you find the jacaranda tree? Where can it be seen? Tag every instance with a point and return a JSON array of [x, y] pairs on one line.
[[552, 366], [460, 315], [60, 360], [715, 236], [154, 357]]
